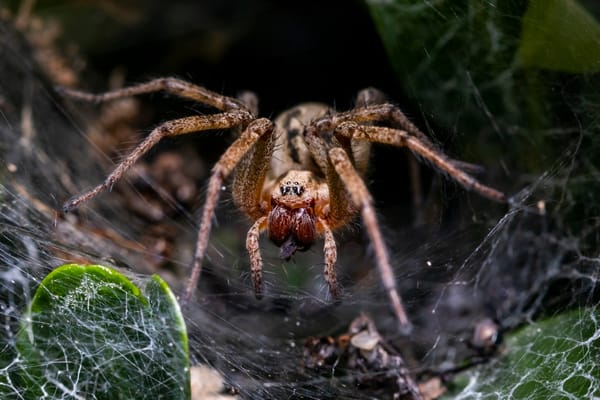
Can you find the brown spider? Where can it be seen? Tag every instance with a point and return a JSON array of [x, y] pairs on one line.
[[298, 178]]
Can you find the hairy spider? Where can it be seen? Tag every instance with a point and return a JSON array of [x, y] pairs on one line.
[[298, 178]]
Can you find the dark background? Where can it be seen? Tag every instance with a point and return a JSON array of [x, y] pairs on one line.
[[287, 52]]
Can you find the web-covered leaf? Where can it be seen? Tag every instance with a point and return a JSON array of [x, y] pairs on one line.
[[555, 358], [89, 332]]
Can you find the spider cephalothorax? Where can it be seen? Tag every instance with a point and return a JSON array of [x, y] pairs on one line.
[[298, 178]]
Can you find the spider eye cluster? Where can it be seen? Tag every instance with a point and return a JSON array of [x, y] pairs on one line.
[[294, 188]]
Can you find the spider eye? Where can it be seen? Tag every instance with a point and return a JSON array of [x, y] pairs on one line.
[[291, 188]]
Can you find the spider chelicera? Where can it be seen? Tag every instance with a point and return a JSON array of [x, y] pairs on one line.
[[298, 178]]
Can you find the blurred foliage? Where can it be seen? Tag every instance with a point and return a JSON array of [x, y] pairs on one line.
[[90, 330], [515, 81], [560, 35]]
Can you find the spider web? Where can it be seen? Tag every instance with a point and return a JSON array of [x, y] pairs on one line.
[[512, 264]]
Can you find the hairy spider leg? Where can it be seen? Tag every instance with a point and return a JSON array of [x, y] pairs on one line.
[[381, 113], [170, 128], [361, 198], [402, 138], [372, 96], [248, 191], [176, 127], [256, 130], [341, 209], [170, 85]]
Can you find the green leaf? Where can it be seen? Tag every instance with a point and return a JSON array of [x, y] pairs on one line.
[[556, 358], [173, 335], [560, 35], [90, 332]]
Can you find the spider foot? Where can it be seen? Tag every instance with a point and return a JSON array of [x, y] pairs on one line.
[[336, 297], [70, 205], [79, 199]]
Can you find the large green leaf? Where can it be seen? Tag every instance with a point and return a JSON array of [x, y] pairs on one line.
[[91, 333]]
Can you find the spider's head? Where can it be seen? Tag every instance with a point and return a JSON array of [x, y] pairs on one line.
[[291, 222]]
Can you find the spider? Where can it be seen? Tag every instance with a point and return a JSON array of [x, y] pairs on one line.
[[298, 178]]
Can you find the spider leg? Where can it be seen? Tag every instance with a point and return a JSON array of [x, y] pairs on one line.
[[221, 170], [247, 192], [170, 128], [330, 252], [253, 247], [421, 148], [341, 208], [174, 86], [383, 112], [249, 178], [361, 198]]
